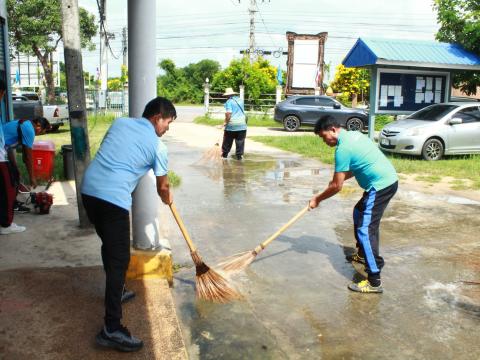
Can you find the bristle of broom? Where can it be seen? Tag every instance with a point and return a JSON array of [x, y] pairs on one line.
[[212, 286], [239, 262], [213, 154]]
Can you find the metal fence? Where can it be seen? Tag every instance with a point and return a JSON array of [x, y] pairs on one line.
[[107, 102], [265, 104]]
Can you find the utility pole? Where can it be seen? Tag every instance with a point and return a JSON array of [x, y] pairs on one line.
[[103, 46], [124, 46], [252, 11], [76, 97]]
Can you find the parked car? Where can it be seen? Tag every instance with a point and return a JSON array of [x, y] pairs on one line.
[[56, 115], [306, 110], [434, 131], [24, 108]]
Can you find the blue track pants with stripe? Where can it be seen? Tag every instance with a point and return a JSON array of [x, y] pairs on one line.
[[367, 214]]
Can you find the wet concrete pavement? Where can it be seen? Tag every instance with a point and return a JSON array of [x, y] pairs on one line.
[[297, 305]]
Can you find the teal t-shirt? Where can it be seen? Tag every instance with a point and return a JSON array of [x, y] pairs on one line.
[[355, 152], [237, 122]]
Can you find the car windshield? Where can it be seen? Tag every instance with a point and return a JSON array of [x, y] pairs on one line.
[[432, 113]]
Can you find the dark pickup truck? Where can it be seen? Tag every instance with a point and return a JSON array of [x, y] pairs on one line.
[[24, 108]]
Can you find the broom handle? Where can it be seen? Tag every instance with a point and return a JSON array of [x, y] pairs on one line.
[[182, 227], [284, 227]]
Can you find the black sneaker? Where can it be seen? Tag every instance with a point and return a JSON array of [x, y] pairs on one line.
[[20, 208], [127, 295], [355, 257], [120, 339]]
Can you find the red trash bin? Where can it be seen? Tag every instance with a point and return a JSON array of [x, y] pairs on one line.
[[43, 153]]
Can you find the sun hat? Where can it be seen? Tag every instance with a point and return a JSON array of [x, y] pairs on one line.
[[229, 91]]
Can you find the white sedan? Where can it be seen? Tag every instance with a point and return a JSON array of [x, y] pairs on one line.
[[451, 128]]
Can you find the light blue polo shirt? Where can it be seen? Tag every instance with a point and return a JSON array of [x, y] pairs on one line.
[[355, 152], [10, 133], [235, 106], [128, 151]]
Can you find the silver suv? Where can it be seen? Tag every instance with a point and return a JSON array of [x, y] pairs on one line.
[[436, 130]]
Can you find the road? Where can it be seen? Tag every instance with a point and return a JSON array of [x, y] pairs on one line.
[[297, 305]]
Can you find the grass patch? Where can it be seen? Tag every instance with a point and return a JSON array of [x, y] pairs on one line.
[[458, 184], [174, 179], [429, 178], [382, 120], [255, 121], [97, 127], [458, 167], [310, 146]]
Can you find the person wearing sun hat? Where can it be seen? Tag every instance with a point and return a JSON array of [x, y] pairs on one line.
[[235, 125]]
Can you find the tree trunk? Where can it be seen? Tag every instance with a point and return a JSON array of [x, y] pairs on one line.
[[48, 73], [354, 100]]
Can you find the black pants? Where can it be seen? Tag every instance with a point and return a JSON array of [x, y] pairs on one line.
[[112, 224], [7, 194], [239, 137], [367, 214]]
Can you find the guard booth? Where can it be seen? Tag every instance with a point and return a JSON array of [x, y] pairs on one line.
[[5, 105], [407, 75]]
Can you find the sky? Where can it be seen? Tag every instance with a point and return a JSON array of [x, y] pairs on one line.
[[188, 31]]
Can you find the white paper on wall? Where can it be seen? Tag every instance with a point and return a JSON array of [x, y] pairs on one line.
[[419, 98], [420, 83], [428, 96], [429, 83]]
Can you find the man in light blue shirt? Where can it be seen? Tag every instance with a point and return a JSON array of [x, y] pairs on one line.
[[235, 125], [7, 186], [22, 133], [357, 156], [130, 148]]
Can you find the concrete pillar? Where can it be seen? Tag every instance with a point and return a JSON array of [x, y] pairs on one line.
[[206, 97], [278, 94], [373, 102], [143, 88], [242, 92]]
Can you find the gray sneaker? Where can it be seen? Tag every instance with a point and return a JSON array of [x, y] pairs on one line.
[[12, 229], [120, 339]]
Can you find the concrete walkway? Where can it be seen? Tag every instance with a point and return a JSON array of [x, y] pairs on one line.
[[51, 292]]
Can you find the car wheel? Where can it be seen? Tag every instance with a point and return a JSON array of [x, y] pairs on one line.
[[354, 124], [291, 123], [432, 150]]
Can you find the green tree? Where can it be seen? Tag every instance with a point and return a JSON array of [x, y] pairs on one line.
[[35, 27], [258, 77], [351, 81], [460, 23], [185, 84]]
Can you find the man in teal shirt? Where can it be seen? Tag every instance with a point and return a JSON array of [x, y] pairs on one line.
[[357, 156]]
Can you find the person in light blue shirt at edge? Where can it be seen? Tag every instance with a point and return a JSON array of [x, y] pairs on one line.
[[130, 148], [7, 186], [357, 156], [235, 125], [22, 133]]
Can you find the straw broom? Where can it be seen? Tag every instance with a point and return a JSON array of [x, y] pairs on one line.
[[209, 284], [214, 154], [239, 262]]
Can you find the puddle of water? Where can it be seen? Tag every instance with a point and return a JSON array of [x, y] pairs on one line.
[[297, 305]]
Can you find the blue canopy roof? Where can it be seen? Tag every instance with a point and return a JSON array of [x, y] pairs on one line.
[[394, 52]]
